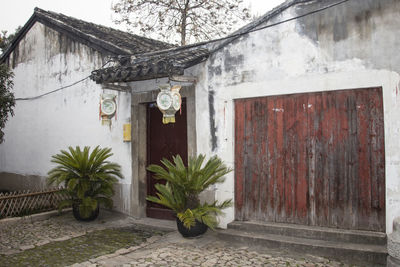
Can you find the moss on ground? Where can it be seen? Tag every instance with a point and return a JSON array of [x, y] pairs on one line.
[[78, 249]]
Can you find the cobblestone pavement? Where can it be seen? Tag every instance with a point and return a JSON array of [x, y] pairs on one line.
[[77, 249], [52, 236], [206, 251], [25, 234]]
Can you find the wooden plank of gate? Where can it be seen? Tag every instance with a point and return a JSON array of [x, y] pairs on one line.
[[271, 168], [363, 159], [248, 161], [341, 158], [290, 153], [239, 160], [255, 171], [318, 178], [263, 154], [352, 164], [311, 158], [301, 189]]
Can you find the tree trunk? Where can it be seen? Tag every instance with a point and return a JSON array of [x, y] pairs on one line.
[[183, 24], [192, 201]]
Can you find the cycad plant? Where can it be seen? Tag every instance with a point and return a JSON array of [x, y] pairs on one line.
[[87, 177], [185, 183]]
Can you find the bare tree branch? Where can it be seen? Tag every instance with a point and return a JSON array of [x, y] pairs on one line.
[[182, 21]]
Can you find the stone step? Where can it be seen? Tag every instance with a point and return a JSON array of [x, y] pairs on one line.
[[352, 253], [320, 233]]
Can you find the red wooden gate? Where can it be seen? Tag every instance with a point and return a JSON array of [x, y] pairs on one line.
[[312, 159]]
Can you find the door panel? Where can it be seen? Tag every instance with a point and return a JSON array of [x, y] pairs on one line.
[[164, 141], [312, 159]]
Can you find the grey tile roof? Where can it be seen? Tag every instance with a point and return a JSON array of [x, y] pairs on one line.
[[151, 65], [107, 40]]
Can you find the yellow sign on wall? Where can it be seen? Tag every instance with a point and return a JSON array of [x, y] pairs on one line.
[[127, 132]]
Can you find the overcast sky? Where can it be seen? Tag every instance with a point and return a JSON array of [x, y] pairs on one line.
[[16, 13]]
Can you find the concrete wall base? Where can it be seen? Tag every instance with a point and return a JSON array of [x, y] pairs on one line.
[[393, 245], [392, 262]]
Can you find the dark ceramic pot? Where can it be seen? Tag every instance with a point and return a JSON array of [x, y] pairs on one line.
[[198, 229], [77, 215]]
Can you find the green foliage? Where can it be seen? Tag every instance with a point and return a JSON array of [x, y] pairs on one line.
[[184, 184], [5, 40], [7, 100], [205, 213], [87, 177]]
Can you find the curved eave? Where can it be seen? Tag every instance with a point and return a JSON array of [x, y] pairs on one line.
[[146, 68]]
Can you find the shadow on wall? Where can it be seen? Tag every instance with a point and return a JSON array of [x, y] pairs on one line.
[[15, 182]]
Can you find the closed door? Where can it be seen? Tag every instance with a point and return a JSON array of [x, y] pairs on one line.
[[163, 141], [313, 159]]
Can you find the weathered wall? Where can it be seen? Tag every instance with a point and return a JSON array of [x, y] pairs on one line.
[[43, 61], [350, 46]]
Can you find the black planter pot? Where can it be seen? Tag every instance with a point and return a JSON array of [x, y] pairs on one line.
[[198, 229], [77, 215]]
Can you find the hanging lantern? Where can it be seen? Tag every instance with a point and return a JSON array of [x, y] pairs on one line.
[[108, 108], [169, 101]]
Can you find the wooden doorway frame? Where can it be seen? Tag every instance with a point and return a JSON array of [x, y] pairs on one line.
[[139, 142]]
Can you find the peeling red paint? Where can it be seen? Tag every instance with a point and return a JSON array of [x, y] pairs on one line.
[[315, 159]]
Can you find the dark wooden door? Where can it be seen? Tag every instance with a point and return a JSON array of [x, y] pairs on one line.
[[163, 141], [313, 159]]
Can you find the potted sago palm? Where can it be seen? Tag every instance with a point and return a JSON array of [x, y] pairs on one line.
[[88, 177], [183, 187]]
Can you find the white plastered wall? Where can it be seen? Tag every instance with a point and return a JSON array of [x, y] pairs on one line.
[[283, 60], [70, 117]]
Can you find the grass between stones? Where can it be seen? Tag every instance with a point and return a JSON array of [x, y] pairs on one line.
[[79, 249]]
